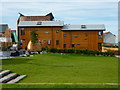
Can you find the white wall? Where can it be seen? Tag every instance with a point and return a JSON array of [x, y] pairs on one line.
[[109, 38]]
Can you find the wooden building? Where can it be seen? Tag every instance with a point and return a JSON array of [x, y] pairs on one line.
[[54, 34], [5, 33], [5, 36]]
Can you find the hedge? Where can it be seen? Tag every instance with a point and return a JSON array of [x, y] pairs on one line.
[[83, 52]]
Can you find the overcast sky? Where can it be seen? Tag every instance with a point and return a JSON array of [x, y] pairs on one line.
[[71, 12]]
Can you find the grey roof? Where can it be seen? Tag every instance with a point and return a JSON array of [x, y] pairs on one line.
[[3, 28], [87, 27], [40, 23]]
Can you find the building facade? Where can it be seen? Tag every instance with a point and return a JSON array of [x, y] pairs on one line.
[[109, 38], [5, 33], [55, 34]]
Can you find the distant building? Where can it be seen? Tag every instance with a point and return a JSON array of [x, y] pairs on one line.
[[109, 38], [5, 33]]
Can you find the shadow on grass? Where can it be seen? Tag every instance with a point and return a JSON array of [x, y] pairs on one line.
[[53, 65], [12, 61]]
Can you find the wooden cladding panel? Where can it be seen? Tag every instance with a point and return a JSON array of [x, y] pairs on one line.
[[80, 39]]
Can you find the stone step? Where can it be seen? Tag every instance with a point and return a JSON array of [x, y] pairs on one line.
[[4, 73], [9, 77], [17, 79]]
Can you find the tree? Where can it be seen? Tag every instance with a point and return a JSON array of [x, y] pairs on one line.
[[34, 37]]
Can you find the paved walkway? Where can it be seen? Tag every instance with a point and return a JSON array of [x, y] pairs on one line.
[[70, 83], [118, 56], [4, 58]]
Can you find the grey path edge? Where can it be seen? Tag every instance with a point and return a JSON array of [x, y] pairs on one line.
[[68, 83]]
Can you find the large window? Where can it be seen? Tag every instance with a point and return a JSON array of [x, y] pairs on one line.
[[64, 45], [22, 31], [99, 46], [49, 41], [23, 40], [57, 31], [57, 42], [64, 35], [100, 34], [73, 45]]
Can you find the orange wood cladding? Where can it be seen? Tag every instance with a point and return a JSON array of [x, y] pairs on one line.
[[7, 33], [80, 39]]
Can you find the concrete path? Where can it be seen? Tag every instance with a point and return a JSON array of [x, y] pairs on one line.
[[118, 56], [1, 58], [70, 83]]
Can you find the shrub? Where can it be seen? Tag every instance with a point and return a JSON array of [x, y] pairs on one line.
[[110, 53], [71, 50], [44, 49], [66, 51], [78, 51], [60, 50]]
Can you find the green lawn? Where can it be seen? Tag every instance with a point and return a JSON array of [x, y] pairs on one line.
[[68, 68]]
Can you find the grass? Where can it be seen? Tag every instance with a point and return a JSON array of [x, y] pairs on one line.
[[68, 68]]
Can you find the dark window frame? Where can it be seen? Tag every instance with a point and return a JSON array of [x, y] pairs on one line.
[[57, 31], [100, 34], [23, 40], [100, 46], [39, 23], [83, 26], [22, 31], [57, 42], [64, 45], [49, 42], [64, 35], [75, 36], [73, 45]]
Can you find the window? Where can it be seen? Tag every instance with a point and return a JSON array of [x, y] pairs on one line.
[[76, 36], [22, 31], [99, 46], [44, 41], [64, 45], [46, 32], [100, 35], [49, 41], [39, 23], [64, 35], [23, 40], [36, 34], [57, 42], [73, 45], [57, 31], [83, 26]]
